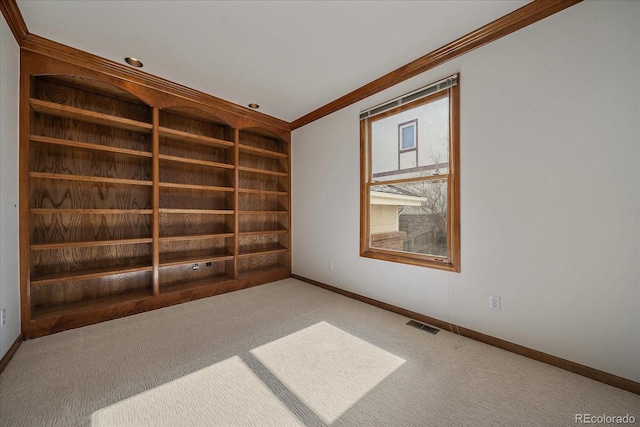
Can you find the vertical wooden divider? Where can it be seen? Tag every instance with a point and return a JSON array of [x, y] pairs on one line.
[[289, 213], [236, 201], [24, 220], [156, 201], [454, 176], [365, 179]]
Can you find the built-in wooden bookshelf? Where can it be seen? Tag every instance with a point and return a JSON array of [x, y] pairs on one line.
[[263, 202], [133, 199], [197, 198]]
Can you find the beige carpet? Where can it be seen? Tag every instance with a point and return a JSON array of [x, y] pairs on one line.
[[327, 368], [268, 356], [227, 393]]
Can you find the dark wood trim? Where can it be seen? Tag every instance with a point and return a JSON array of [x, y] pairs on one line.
[[12, 350], [236, 201], [24, 183], [567, 365], [453, 234], [289, 218], [526, 15], [155, 202], [411, 258], [365, 178], [514, 21], [14, 19], [131, 76]]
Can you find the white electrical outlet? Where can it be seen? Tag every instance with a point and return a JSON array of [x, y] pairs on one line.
[[3, 317], [330, 265], [494, 302]]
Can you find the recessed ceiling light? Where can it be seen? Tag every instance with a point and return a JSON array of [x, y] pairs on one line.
[[254, 106], [133, 62]]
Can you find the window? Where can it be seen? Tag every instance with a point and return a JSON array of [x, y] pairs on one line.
[[407, 135], [410, 210]]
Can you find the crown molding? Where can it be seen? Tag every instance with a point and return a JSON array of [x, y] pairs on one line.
[[14, 19], [43, 46], [514, 21], [52, 49]]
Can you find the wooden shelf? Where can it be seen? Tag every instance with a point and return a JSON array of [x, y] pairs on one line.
[[88, 146], [194, 284], [263, 232], [91, 304], [262, 171], [277, 270], [50, 279], [195, 162], [263, 212], [265, 192], [91, 211], [169, 262], [197, 211], [262, 152], [195, 237], [191, 137], [194, 187], [262, 251], [66, 177], [88, 244], [58, 110]]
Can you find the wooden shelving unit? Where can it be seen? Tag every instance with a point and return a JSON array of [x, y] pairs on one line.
[[263, 208], [132, 202], [89, 198], [197, 165]]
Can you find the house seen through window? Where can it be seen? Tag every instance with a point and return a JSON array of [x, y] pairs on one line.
[[410, 177]]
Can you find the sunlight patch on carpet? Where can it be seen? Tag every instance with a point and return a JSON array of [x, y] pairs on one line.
[[327, 368], [225, 394]]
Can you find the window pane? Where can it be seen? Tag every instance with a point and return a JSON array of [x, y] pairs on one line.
[[409, 217], [431, 156], [408, 137]]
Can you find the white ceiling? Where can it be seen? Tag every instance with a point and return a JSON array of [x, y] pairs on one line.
[[290, 57]]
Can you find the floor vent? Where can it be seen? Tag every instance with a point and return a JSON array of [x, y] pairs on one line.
[[424, 327]]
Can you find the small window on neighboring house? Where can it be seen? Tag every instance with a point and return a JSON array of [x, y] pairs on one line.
[[410, 209], [407, 134]]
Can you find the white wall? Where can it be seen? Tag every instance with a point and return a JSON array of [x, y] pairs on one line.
[[550, 161], [9, 253]]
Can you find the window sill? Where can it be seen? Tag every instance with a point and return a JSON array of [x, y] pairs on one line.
[[411, 259]]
